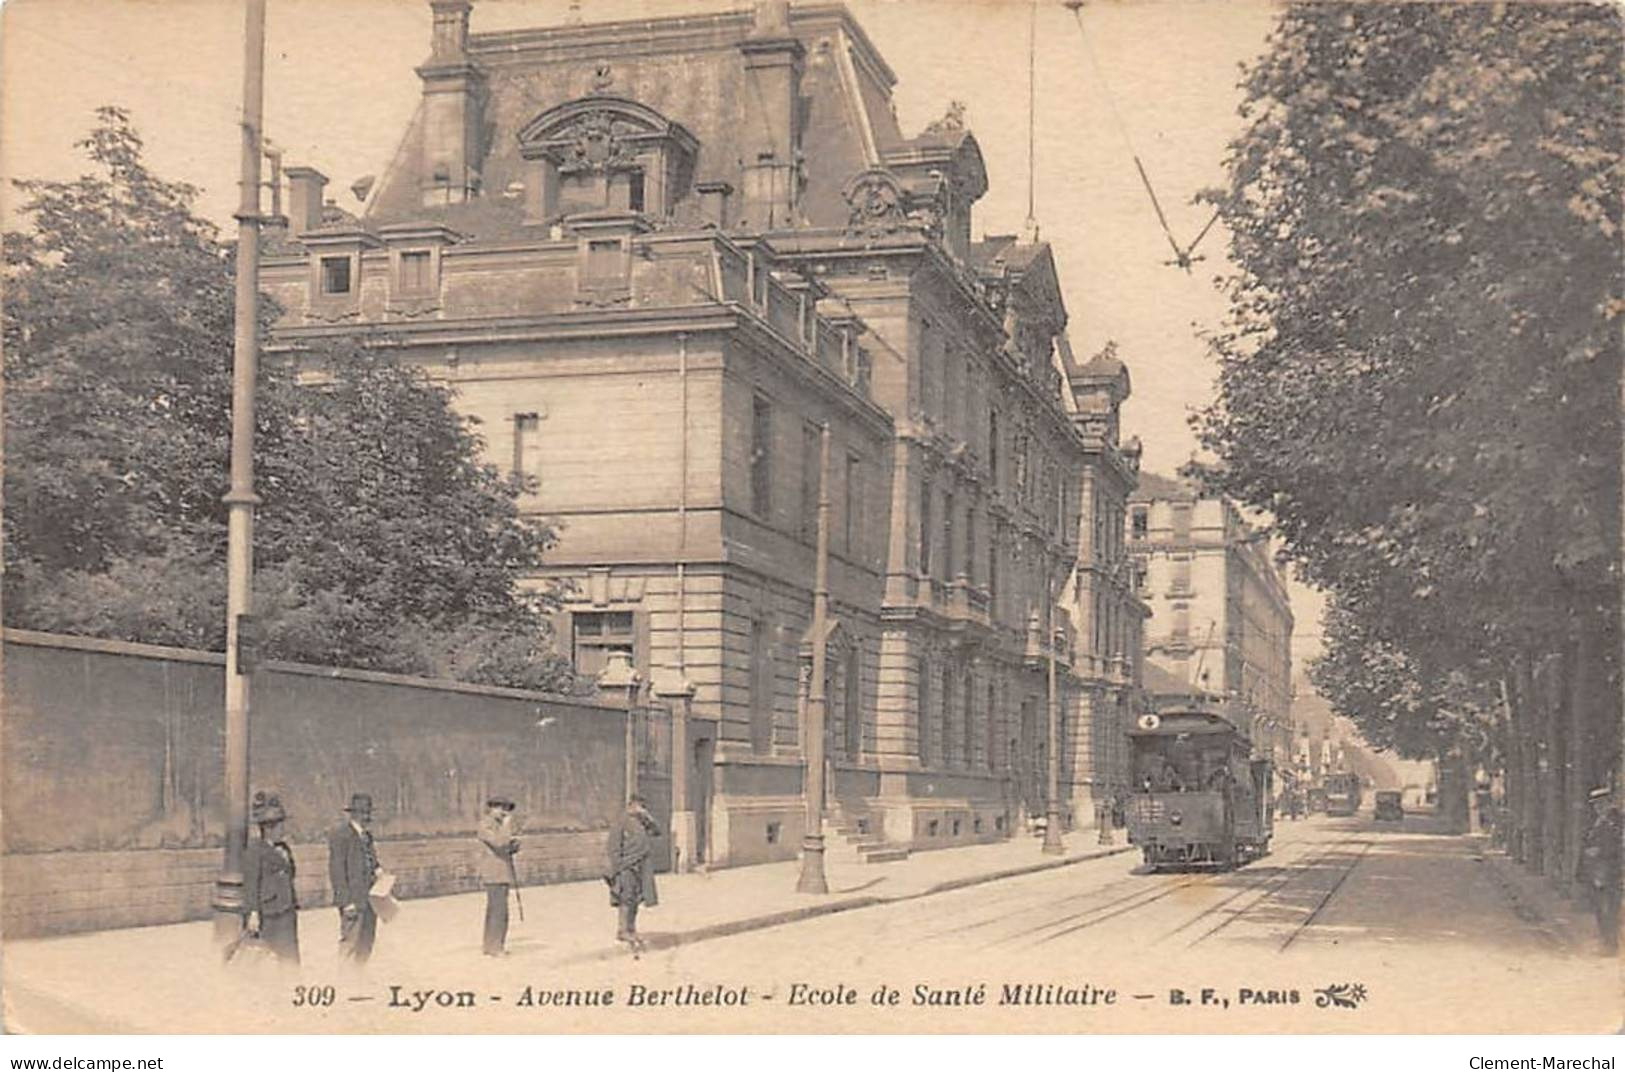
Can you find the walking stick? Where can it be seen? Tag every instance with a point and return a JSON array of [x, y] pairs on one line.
[[518, 901]]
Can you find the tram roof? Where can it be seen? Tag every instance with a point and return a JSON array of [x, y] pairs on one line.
[[1173, 723]]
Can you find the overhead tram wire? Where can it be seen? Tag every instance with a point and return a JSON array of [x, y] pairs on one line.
[[1183, 256]]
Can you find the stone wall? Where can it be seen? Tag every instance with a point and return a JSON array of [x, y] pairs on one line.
[[111, 776]]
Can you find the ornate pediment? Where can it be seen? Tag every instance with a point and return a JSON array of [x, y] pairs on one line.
[[600, 133], [876, 203]]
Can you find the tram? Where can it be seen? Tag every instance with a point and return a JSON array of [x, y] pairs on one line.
[[1199, 799], [1342, 794]]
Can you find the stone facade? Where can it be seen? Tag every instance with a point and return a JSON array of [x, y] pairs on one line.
[[1221, 616], [654, 259]]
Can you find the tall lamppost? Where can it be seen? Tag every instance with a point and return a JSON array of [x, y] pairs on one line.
[[618, 679], [812, 878], [240, 500]]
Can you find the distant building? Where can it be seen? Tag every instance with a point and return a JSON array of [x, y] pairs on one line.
[[654, 258], [1221, 618]]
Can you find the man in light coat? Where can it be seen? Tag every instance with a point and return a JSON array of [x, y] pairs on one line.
[[497, 847]]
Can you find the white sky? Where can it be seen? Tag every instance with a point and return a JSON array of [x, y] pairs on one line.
[[340, 89]]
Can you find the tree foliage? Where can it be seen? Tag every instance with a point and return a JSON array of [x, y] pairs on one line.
[[383, 540], [1420, 379]]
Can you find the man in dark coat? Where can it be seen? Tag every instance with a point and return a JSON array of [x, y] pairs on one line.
[[352, 864], [631, 870], [268, 872], [497, 875], [1599, 867]]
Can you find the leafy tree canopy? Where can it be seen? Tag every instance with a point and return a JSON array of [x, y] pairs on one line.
[[1420, 378], [383, 540]]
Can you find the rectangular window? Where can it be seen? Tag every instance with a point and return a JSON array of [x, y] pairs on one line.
[[991, 758], [993, 446], [526, 429], [968, 722], [1182, 574], [945, 720], [761, 687], [853, 506], [970, 543], [925, 530], [1182, 521], [993, 575], [415, 270], [335, 275], [923, 715], [1182, 624], [811, 443], [761, 458], [598, 635], [634, 193], [948, 563]]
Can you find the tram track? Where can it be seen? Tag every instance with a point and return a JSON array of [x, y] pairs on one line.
[[1326, 899], [1269, 886]]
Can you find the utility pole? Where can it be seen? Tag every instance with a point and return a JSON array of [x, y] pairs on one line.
[[241, 500], [812, 845]]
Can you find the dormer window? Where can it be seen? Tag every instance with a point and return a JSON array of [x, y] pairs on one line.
[[335, 275], [606, 154], [416, 270]]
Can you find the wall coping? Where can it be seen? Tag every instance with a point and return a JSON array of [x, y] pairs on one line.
[[63, 641]]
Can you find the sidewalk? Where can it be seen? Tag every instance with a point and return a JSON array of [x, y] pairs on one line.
[[154, 978], [1566, 921]]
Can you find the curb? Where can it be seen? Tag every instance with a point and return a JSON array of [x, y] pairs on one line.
[[731, 927]]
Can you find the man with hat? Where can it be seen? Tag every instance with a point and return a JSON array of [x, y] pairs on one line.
[[631, 875], [1599, 866], [352, 864], [497, 874], [268, 894]]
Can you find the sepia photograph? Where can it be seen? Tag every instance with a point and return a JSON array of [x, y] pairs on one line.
[[907, 517]]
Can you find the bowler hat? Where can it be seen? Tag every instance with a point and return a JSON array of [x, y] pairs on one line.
[[360, 804], [267, 808], [497, 800]]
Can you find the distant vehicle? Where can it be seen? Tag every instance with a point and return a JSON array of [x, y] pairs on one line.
[[1389, 805], [1199, 799], [1342, 794]]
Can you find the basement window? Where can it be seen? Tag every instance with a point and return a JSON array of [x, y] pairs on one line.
[[335, 275]]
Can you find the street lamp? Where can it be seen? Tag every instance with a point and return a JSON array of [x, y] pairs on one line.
[[812, 878], [616, 678], [229, 907]]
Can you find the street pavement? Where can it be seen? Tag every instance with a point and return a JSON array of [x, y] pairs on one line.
[[1348, 926]]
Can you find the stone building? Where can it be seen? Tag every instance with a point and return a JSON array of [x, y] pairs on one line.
[[654, 259], [1221, 622]]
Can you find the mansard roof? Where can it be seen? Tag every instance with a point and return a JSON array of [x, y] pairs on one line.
[[687, 70]]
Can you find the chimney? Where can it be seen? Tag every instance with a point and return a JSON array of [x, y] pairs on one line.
[[714, 203], [305, 189], [771, 119], [453, 98]]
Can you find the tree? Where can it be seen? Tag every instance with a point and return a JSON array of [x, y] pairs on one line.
[[383, 540], [1420, 378]]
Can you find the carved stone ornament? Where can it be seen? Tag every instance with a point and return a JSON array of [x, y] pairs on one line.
[[928, 212], [875, 204], [952, 121], [595, 142]]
